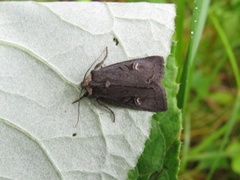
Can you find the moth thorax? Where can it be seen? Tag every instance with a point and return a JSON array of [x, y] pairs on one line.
[[85, 84]]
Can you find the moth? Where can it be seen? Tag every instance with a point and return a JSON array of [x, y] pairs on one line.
[[132, 84]]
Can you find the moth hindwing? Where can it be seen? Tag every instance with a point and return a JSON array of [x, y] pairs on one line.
[[133, 84]]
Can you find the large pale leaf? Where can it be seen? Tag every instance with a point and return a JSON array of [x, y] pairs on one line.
[[45, 49]]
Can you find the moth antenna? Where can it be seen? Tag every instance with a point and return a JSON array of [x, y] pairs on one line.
[[78, 100], [104, 105], [80, 97], [105, 57], [86, 94], [99, 64], [78, 113]]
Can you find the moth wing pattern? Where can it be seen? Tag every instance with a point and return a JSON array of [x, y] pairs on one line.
[[135, 84]]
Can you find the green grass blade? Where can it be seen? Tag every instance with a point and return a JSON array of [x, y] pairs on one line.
[[199, 17], [179, 30]]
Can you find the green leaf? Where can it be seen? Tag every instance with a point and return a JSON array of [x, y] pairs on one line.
[[233, 151], [160, 159]]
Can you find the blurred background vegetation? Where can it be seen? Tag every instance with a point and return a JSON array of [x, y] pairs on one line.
[[211, 106], [211, 112], [207, 54]]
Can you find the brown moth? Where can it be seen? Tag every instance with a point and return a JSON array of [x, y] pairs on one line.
[[132, 84]]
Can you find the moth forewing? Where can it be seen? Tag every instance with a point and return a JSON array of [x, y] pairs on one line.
[[133, 84]]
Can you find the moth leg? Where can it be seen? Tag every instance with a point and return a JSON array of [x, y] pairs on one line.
[[104, 105], [100, 64], [85, 95]]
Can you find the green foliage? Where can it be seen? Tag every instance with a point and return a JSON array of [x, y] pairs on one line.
[[233, 152], [160, 159], [210, 88]]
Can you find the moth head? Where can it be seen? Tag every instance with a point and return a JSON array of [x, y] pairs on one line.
[[85, 84]]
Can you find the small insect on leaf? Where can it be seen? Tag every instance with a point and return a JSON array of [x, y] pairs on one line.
[[132, 84], [116, 41]]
